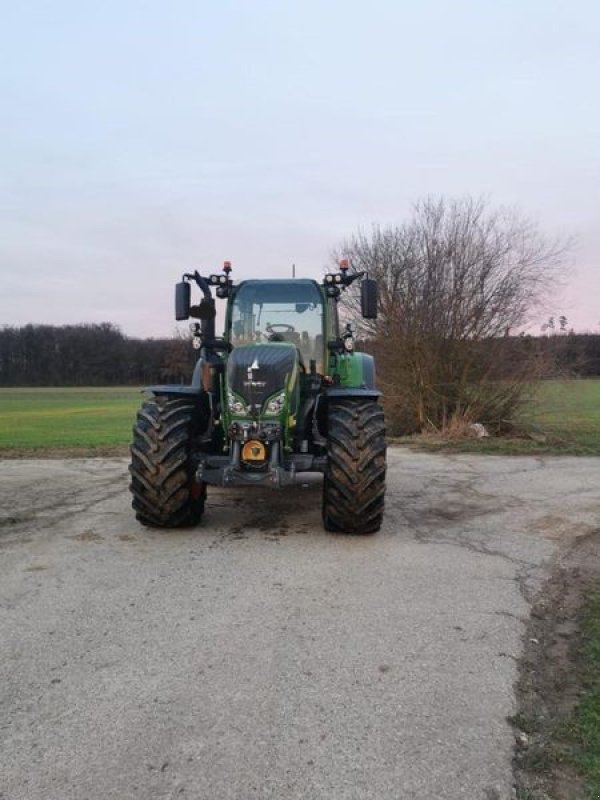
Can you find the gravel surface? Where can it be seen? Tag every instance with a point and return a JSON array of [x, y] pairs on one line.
[[257, 656]]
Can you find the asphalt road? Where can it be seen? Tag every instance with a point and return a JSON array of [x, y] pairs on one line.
[[257, 656]]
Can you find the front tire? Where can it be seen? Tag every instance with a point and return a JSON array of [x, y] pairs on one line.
[[354, 483], [162, 476]]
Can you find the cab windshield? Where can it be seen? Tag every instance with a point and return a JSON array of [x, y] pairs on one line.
[[279, 310]]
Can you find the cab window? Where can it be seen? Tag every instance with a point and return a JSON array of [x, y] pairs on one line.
[[285, 311]]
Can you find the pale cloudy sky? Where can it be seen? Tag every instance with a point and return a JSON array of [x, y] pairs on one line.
[[140, 139]]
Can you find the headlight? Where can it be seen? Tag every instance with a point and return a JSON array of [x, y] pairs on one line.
[[275, 405], [236, 406]]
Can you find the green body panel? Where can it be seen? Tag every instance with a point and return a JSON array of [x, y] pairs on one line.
[[354, 370], [286, 417]]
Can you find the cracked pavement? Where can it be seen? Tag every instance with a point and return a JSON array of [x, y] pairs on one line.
[[257, 655]]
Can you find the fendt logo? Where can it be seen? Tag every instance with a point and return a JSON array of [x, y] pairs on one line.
[[251, 383]]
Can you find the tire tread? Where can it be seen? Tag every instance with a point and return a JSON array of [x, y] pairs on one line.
[[354, 484], [160, 468]]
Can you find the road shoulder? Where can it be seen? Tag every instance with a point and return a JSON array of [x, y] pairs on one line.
[[552, 680]]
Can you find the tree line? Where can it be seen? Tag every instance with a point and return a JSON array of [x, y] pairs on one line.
[[100, 355], [89, 355]]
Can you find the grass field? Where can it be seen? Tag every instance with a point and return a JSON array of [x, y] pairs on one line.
[[563, 417], [568, 412], [67, 419]]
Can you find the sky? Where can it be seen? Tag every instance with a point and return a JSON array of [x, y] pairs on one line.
[[141, 140]]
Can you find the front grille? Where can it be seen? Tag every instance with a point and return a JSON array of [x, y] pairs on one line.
[[255, 372]]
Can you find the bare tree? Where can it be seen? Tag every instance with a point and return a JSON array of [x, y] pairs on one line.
[[457, 282]]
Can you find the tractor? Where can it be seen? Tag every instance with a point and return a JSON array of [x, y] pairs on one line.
[[282, 392]]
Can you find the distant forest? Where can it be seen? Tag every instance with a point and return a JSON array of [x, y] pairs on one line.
[[90, 355], [100, 355]]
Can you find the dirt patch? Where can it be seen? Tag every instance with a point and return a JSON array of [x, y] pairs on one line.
[[561, 529], [87, 536], [18, 520], [550, 680], [108, 451]]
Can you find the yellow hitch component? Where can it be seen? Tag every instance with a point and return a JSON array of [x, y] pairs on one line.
[[254, 451]]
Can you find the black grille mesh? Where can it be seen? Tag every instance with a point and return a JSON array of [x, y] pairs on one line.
[[275, 364]]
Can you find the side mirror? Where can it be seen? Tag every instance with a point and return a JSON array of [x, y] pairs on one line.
[[368, 298], [182, 300]]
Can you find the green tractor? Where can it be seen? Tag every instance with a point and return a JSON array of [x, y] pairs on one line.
[[282, 392]]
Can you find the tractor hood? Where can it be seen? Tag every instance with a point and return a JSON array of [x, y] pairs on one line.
[[255, 372]]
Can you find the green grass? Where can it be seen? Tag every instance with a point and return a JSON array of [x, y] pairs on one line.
[[562, 418], [58, 418], [568, 412], [582, 731]]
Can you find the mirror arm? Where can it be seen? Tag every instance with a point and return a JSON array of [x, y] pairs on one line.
[[349, 279], [200, 281]]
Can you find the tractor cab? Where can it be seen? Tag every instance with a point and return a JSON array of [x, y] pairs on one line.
[[276, 311]]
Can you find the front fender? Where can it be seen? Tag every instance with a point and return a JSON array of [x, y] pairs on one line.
[[176, 390], [351, 392]]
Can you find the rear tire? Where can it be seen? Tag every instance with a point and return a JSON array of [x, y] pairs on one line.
[[354, 483], [162, 475]]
